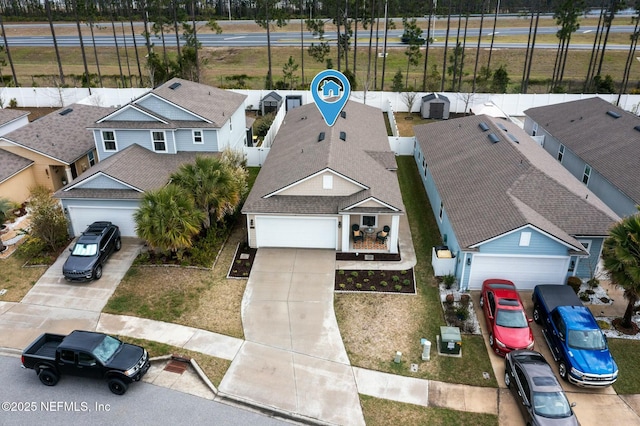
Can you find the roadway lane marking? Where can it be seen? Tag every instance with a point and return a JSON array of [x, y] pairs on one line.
[[234, 38]]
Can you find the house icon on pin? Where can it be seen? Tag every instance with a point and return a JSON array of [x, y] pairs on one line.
[[330, 88]]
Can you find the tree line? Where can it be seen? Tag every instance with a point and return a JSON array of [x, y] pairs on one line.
[[179, 19]]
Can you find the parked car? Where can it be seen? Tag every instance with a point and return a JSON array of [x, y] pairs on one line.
[[91, 251], [405, 38], [504, 314], [536, 390], [86, 354], [574, 337]]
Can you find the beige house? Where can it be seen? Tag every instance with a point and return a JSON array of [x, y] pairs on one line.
[[59, 146], [320, 183], [16, 173]]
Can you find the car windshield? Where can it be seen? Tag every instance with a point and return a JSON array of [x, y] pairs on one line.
[[107, 348], [84, 249], [511, 318], [551, 404], [586, 339]]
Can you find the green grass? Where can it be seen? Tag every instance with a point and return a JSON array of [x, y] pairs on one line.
[[625, 352], [469, 368], [386, 412]]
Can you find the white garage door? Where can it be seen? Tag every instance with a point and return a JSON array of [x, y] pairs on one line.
[[525, 271], [81, 217], [299, 232]]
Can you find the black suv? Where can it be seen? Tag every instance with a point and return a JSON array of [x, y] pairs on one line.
[[91, 251]]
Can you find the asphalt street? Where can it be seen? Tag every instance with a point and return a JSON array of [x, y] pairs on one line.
[[74, 400]]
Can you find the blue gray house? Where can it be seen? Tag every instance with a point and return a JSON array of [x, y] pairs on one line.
[[598, 143], [140, 144], [505, 210]]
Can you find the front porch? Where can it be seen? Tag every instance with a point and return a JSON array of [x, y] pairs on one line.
[[360, 232]]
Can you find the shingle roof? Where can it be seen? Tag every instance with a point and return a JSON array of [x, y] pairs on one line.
[[63, 137], [364, 157], [432, 96], [489, 189], [136, 166], [8, 115], [609, 145], [10, 164]]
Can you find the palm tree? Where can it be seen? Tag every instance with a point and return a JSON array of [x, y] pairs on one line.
[[47, 6], [167, 219], [621, 257], [214, 185]]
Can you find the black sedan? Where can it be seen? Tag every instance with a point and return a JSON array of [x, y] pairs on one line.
[[536, 389]]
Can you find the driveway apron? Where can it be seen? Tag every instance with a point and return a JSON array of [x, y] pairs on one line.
[[57, 306], [293, 358]]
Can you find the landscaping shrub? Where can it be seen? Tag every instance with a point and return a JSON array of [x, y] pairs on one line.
[[448, 281], [574, 283]]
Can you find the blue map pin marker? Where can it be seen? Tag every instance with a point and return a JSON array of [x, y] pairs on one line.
[[330, 90]]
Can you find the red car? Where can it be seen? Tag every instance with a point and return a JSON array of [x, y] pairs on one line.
[[503, 311]]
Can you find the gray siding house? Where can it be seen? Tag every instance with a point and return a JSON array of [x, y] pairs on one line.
[[140, 144], [598, 143], [504, 209]]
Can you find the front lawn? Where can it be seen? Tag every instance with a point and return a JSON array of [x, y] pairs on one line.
[[16, 279], [375, 326], [625, 352]]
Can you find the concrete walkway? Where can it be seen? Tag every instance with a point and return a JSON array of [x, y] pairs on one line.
[[293, 359]]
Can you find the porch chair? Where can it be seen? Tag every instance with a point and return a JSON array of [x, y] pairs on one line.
[[383, 235], [356, 233]]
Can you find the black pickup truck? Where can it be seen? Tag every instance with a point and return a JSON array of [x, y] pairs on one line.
[[86, 354]]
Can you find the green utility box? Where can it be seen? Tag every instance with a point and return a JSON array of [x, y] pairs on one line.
[[450, 340]]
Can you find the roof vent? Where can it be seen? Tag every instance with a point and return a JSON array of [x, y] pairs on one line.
[[493, 138], [343, 136], [613, 114], [637, 127], [343, 114], [483, 126], [66, 111], [513, 138], [174, 86], [502, 126], [321, 137]]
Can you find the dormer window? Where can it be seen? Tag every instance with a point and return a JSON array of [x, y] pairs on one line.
[[109, 140]]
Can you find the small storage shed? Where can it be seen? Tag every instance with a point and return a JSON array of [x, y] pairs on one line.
[[435, 106], [270, 103]]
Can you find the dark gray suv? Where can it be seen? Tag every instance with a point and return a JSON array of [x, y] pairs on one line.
[[91, 251]]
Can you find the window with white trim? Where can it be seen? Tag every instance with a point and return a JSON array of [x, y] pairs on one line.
[[197, 136], [109, 140], [441, 211], [560, 153], [159, 142], [91, 158], [370, 221], [525, 239], [586, 244], [586, 175], [534, 129]]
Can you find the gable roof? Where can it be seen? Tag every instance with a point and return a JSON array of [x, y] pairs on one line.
[[11, 164], [8, 115], [63, 137], [364, 157], [272, 95], [435, 96], [136, 167], [489, 189], [609, 145]]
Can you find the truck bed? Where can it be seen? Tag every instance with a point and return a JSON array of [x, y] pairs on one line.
[[553, 295], [45, 346]]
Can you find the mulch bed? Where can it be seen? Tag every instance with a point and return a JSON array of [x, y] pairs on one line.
[[376, 256], [242, 261], [617, 324], [373, 281]]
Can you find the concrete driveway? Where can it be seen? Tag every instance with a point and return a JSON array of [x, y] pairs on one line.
[[57, 306], [592, 405], [293, 358]]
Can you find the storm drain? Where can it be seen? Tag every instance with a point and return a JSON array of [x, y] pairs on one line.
[[177, 364]]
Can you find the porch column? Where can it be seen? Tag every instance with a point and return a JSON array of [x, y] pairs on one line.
[[346, 227], [393, 235], [67, 172]]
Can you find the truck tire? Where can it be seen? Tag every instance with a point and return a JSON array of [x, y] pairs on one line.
[[48, 377], [536, 314], [97, 273], [117, 386], [562, 370]]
